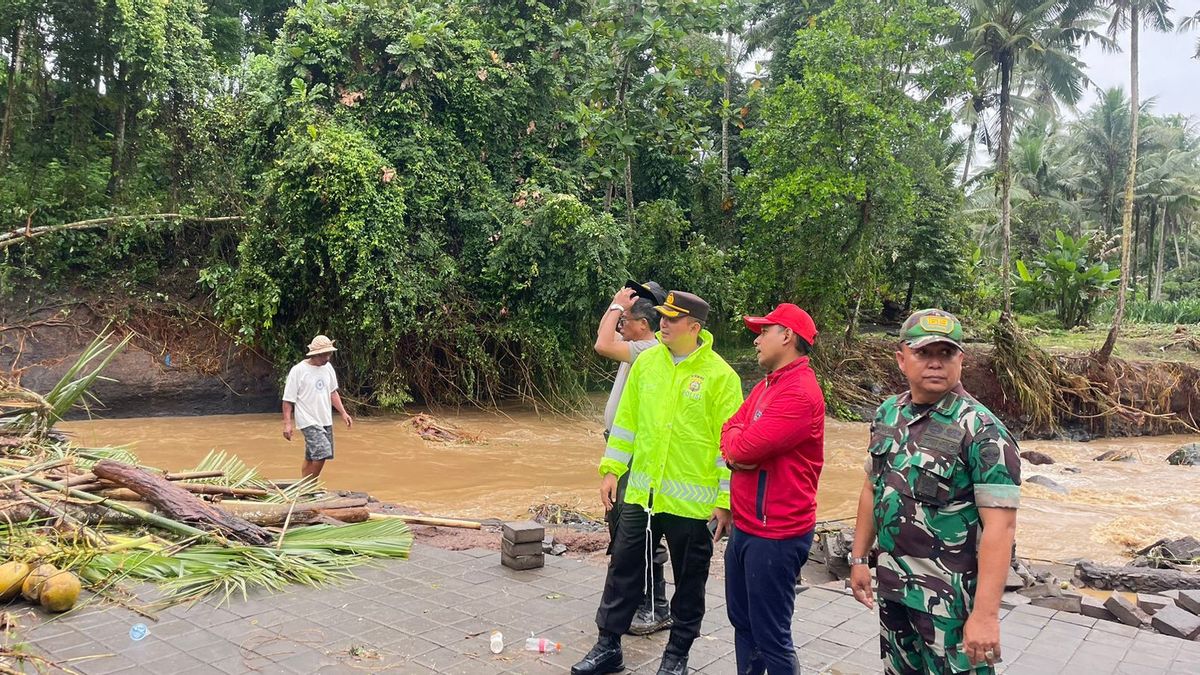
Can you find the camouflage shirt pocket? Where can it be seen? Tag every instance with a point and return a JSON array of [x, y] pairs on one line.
[[932, 482], [880, 450]]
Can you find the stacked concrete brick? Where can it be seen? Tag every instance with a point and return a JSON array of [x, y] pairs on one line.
[[521, 548]]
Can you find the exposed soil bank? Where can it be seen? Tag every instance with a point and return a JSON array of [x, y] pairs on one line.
[[178, 362]]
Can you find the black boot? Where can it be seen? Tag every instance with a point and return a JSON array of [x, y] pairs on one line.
[[604, 658], [648, 621], [672, 664]]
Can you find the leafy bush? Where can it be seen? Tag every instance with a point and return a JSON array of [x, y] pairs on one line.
[[1068, 277]]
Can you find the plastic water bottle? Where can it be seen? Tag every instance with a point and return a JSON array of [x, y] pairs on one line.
[[138, 631], [542, 645], [497, 642]]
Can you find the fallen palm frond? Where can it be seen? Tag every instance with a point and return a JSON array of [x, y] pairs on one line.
[[313, 556], [238, 474], [71, 388]]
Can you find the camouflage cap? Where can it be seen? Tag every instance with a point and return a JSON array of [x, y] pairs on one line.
[[928, 326]]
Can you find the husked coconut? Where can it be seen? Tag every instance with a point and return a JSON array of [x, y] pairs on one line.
[[12, 575]]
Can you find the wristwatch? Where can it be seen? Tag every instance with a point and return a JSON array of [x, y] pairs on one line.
[[863, 560], [616, 307]]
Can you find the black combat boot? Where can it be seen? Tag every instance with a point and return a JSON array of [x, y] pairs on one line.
[[648, 621], [604, 658], [672, 664]]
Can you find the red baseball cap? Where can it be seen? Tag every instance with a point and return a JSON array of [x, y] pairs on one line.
[[788, 316]]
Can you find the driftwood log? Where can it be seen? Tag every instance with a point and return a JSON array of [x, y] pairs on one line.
[[1135, 579], [180, 504], [194, 488]]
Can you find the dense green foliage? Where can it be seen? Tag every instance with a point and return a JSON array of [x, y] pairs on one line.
[[453, 190]]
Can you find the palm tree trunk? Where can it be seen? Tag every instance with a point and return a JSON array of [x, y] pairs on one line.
[[1158, 264], [1175, 240], [121, 92], [1154, 255], [1006, 67], [14, 73], [1130, 181], [1138, 236], [970, 151]]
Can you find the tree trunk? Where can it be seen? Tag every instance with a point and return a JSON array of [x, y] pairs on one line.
[[970, 153], [1175, 241], [1130, 182], [1138, 236], [1156, 295], [1006, 67], [728, 105], [179, 504], [629, 188], [121, 93], [1150, 239], [14, 74]]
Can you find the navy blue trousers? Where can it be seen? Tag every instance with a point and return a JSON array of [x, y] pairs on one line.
[[760, 596]]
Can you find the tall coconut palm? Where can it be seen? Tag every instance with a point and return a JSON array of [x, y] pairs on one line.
[[1131, 14], [1100, 140], [1035, 37], [1188, 23]]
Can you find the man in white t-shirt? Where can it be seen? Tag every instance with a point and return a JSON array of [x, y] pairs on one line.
[[308, 397], [626, 330]]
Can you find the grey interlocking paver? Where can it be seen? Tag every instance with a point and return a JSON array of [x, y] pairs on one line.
[[434, 613]]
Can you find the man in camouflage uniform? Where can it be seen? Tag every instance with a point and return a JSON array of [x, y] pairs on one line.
[[940, 498]]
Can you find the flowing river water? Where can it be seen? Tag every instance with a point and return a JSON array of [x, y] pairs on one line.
[[525, 458]]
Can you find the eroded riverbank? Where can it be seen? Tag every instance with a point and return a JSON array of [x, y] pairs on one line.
[[525, 458]]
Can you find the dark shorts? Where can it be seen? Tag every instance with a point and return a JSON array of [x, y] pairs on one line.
[[318, 443]]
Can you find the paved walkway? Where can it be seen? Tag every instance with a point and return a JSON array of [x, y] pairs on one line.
[[434, 613]]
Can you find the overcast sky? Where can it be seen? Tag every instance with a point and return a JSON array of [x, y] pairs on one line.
[[1167, 70]]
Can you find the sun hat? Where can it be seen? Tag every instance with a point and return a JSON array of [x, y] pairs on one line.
[[320, 345]]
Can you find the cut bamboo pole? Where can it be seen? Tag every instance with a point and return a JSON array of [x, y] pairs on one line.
[[430, 520]]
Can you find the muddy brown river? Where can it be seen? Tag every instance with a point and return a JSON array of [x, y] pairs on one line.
[[525, 458]]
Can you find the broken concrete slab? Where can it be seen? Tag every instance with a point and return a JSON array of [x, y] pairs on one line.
[[524, 531], [1151, 603], [1095, 609], [1125, 611], [1067, 602], [1014, 581], [1012, 600], [1176, 622], [1189, 600], [1043, 589]]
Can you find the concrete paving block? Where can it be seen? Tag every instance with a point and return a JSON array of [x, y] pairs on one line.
[[1189, 600], [524, 531], [1092, 607], [1125, 611], [1014, 581], [1151, 603], [523, 562], [1011, 600], [1176, 622], [528, 548], [1067, 602]]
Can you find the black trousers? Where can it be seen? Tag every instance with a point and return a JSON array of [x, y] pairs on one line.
[[691, 548], [614, 514]]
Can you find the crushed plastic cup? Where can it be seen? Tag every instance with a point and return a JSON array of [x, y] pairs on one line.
[[138, 631], [497, 642], [542, 645]]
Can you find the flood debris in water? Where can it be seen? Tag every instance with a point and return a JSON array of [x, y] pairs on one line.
[[431, 429]]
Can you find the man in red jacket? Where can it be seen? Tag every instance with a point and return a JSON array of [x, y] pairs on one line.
[[775, 444]]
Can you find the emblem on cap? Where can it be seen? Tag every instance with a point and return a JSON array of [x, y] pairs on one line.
[[936, 324]]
